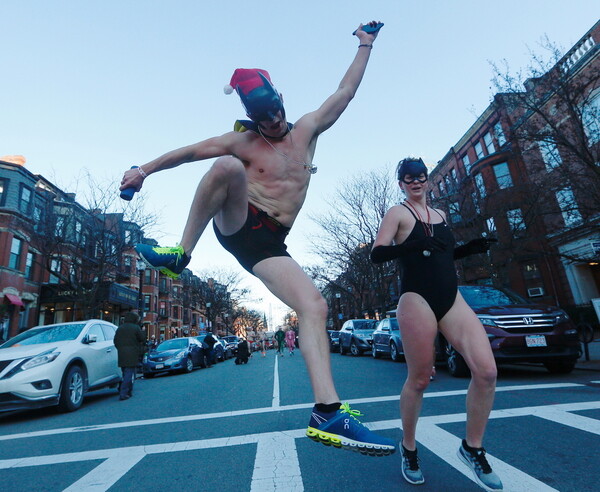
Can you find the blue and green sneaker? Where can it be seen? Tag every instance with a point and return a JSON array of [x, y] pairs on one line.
[[342, 429], [170, 261]]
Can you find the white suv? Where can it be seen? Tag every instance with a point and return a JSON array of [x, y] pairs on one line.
[[57, 364]]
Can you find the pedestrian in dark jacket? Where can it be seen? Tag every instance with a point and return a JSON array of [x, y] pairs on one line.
[[210, 342], [130, 343], [243, 352]]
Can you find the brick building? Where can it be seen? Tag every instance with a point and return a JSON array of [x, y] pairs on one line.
[[527, 172], [62, 262]]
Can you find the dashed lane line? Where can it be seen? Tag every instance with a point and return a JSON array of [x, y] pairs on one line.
[[255, 411]]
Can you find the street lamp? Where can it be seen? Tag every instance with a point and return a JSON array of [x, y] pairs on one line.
[[339, 316]]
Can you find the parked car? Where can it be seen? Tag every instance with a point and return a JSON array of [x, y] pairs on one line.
[[174, 355], [232, 343], [334, 340], [356, 336], [519, 331], [218, 347], [57, 365], [387, 340], [226, 353]]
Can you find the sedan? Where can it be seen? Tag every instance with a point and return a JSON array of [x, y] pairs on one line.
[[387, 340], [334, 340], [57, 365], [356, 336], [174, 355], [218, 347]]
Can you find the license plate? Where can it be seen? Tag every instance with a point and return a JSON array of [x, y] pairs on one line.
[[159, 366], [536, 341]]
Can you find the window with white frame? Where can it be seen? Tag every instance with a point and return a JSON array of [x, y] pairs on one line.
[[441, 188], [515, 220], [503, 177], [550, 155], [568, 207], [25, 199], [475, 199], [78, 228], [453, 176], [449, 185], [490, 225], [29, 265], [478, 150], [467, 163], [489, 143], [55, 266], [14, 261], [591, 118], [60, 226], [480, 185], [499, 134], [454, 210]]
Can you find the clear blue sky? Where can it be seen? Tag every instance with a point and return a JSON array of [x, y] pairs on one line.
[[108, 84]]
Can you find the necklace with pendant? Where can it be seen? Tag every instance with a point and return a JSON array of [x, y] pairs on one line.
[[311, 168], [427, 226]]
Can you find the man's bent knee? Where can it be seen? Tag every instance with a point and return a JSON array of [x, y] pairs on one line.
[[227, 166]]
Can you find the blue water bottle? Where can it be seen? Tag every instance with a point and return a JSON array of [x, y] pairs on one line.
[[127, 193]]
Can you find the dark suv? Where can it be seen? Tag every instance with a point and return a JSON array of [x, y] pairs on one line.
[[519, 331]]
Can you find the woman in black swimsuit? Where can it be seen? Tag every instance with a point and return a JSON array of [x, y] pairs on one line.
[[420, 239]]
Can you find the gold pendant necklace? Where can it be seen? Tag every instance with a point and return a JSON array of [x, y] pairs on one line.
[[311, 168]]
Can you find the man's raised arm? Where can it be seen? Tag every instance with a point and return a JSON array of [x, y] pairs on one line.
[[335, 104]]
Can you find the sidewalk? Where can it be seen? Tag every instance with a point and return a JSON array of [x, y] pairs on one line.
[[594, 352]]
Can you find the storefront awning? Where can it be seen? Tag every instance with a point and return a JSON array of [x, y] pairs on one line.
[[13, 299]]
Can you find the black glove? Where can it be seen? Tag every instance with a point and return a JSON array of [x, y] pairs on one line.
[[479, 245], [379, 254]]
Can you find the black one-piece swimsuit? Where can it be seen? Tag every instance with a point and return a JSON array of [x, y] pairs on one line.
[[433, 277]]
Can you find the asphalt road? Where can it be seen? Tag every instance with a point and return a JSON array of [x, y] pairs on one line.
[[241, 428]]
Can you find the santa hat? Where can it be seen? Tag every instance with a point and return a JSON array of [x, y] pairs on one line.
[[246, 80]]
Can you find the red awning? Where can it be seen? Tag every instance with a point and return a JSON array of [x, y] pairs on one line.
[[16, 300]]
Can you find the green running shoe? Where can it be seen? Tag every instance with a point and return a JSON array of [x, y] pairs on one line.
[[170, 261]]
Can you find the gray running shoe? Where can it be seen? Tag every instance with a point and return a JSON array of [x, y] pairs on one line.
[[410, 467], [480, 467]]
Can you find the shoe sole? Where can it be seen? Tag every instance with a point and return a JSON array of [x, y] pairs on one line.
[[163, 270], [466, 461], [341, 442]]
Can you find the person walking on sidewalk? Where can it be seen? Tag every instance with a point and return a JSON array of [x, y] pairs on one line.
[[130, 343], [253, 193], [419, 237]]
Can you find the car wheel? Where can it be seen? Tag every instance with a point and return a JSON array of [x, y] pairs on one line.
[[342, 349], [395, 353], [374, 352], [457, 367], [189, 365], [562, 366], [148, 375], [72, 389], [354, 350]]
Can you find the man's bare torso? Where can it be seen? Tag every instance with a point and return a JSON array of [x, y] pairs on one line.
[[277, 184]]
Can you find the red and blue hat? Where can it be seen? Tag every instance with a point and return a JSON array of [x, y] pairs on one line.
[[257, 93]]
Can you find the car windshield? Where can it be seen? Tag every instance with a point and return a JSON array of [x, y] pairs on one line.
[[366, 324], [335, 334], [47, 334], [394, 324], [483, 295], [177, 343]]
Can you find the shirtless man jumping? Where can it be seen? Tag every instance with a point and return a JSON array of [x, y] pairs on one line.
[[254, 192]]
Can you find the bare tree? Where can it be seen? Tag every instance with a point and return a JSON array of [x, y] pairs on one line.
[[555, 126], [82, 245], [348, 230]]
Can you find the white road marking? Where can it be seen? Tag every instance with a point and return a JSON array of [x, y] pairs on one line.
[[444, 444], [255, 411], [276, 464], [276, 404]]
